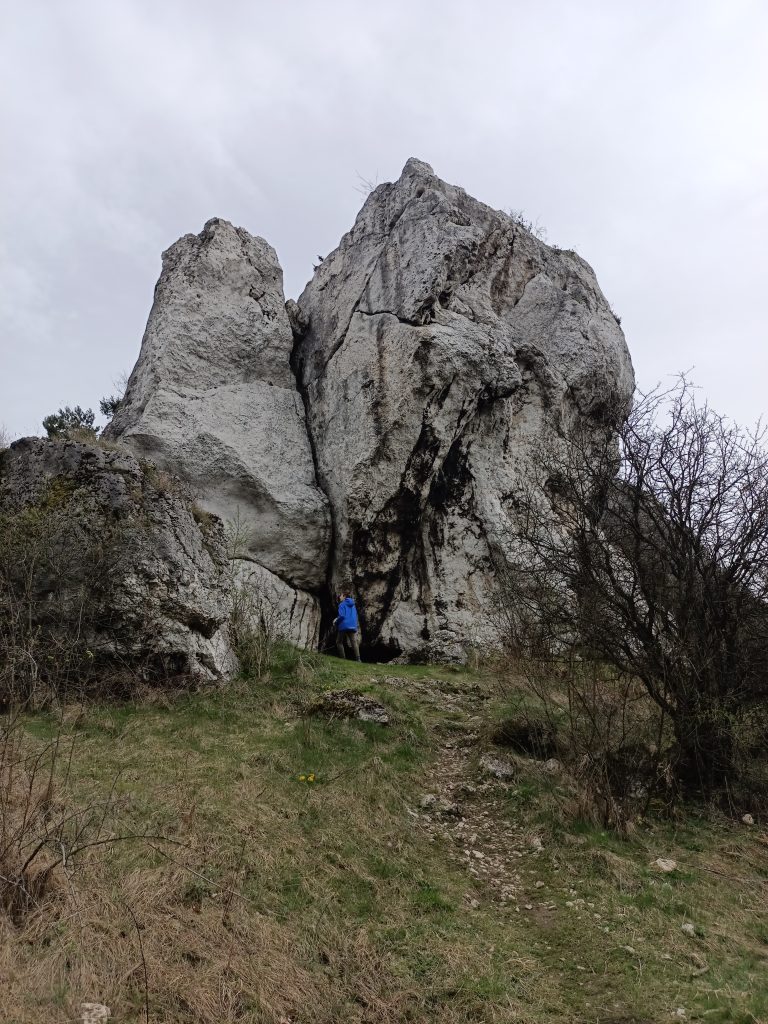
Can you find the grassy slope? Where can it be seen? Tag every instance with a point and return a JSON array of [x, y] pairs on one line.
[[287, 901]]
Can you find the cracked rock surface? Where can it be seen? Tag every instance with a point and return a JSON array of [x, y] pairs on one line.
[[213, 398], [444, 340], [375, 431]]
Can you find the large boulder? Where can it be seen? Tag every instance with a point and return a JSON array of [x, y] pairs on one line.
[[444, 342], [213, 399], [108, 569]]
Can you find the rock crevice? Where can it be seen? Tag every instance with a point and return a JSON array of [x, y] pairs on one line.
[[376, 430]]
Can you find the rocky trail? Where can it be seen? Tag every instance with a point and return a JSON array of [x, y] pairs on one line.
[[463, 795]]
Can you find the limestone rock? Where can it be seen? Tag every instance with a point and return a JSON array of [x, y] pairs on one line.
[[213, 398], [503, 770], [350, 704], [123, 557], [443, 341], [665, 865], [94, 1013]]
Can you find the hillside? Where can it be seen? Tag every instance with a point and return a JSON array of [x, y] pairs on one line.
[[246, 860]]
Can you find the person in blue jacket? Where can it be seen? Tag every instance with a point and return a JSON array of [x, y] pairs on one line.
[[346, 626]]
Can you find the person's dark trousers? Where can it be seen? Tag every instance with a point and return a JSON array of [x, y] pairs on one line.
[[347, 637]]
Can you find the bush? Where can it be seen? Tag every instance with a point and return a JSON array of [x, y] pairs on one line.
[[68, 422], [615, 742], [109, 405], [55, 633], [642, 547]]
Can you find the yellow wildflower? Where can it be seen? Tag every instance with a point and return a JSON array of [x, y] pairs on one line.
[[302, 778], [311, 777]]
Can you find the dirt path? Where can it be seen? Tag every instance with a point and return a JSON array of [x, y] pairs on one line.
[[462, 796]]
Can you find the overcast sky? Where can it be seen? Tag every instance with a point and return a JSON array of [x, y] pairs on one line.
[[635, 132]]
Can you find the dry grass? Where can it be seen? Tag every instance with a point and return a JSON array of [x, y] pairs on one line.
[[274, 900]]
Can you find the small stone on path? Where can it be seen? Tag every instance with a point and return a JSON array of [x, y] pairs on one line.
[[502, 770]]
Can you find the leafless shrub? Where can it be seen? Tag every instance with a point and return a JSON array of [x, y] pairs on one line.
[[533, 227], [56, 636], [601, 725], [366, 185], [41, 831], [257, 622], [642, 546]]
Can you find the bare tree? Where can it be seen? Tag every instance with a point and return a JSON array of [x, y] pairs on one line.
[[647, 550]]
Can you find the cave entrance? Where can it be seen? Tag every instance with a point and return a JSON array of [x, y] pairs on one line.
[[377, 651], [380, 652]]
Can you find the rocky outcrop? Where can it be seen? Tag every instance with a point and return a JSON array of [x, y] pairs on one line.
[[433, 350], [444, 341], [213, 399], [116, 569]]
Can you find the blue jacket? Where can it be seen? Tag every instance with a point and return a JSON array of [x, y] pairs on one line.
[[347, 615]]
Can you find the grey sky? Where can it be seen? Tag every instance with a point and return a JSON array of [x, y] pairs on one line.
[[635, 132]]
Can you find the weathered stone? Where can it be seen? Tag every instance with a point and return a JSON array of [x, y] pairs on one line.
[[350, 704], [503, 770], [94, 1013], [665, 865], [126, 553], [213, 398], [444, 342]]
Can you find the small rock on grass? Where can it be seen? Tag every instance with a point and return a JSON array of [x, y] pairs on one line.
[[502, 770], [665, 865], [349, 704], [94, 1013], [748, 819], [688, 928]]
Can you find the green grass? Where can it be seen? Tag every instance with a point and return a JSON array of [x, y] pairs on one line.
[[328, 901]]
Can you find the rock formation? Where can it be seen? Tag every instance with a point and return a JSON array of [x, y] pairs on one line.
[[433, 348], [213, 398], [444, 340], [113, 565]]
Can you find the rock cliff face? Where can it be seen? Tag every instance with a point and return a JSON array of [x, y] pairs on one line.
[[107, 555], [213, 398], [433, 348], [443, 341]]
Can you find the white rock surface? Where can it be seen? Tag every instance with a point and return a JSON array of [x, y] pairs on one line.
[[94, 1013], [664, 865], [213, 398], [443, 340], [500, 769]]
